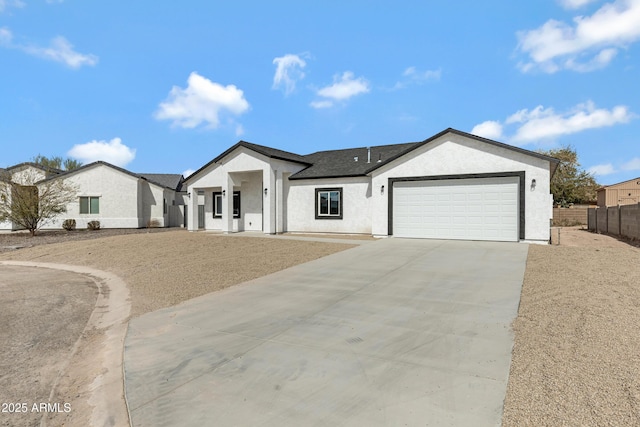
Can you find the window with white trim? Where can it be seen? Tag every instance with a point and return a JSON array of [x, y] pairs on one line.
[[328, 203], [217, 204]]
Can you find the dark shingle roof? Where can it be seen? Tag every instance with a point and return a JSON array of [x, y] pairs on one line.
[[343, 163], [168, 180], [269, 152]]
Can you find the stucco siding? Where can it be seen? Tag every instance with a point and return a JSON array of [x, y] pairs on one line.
[[456, 155], [117, 193], [356, 206], [27, 175], [250, 173]]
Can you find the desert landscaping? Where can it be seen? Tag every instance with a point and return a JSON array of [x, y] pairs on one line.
[[576, 358]]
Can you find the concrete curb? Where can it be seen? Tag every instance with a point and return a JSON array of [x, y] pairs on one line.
[[111, 316]]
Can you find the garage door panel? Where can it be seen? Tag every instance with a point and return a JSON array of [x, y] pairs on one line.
[[468, 209]]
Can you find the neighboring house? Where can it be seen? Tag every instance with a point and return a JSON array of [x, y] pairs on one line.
[[25, 174], [453, 185], [622, 193], [119, 198]]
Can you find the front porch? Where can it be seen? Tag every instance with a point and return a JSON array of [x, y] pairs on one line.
[[242, 201]]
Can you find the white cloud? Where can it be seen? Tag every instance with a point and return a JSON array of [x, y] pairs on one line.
[[631, 165], [202, 101], [489, 129], [422, 76], [321, 104], [239, 130], [6, 36], [412, 76], [59, 50], [114, 152], [288, 72], [590, 43], [188, 172], [604, 169], [6, 4], [344, 87], [575, 4], [542, 123]]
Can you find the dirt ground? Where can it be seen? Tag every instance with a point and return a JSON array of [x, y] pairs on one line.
[[36, 346], [160, 268], [165, 268], [576, 358]]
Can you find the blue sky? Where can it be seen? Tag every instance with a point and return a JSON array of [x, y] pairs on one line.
[[167, 86]]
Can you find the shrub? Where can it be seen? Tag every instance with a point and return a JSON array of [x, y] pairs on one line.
[[153, 223], [69, 224], [93, 225]]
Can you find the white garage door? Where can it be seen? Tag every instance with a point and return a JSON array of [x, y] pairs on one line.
[[465, 209]]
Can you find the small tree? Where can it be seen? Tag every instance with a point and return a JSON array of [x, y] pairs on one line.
[[56, 162], [31, 204], [571, 184]]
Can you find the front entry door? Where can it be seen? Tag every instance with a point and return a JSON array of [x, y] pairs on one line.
[[200, 216]]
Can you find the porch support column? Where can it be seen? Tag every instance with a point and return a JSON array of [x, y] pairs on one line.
[[192, 209], [279, 202], [227, 204], [269, 210]]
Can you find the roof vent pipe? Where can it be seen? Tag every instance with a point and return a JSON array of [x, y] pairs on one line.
[[368, 154], [379, 157]]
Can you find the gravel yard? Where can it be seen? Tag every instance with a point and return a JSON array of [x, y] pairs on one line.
[[576, 358], [165, 268]]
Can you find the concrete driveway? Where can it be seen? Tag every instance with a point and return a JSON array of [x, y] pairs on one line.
[[396, 332]]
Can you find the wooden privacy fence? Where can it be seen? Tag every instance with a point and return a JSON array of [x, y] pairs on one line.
[[617, 220]]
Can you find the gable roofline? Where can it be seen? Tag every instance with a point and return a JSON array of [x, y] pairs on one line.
[[604, 187], [66, 174], [552, 160], [37, 166], [272, 153]]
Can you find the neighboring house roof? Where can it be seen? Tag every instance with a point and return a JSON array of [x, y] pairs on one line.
[[168, 180], [341, 163], [37, 166], [273, 153], [159, 179], [630, 182]]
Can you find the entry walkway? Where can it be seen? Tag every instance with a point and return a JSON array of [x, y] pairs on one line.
[[395, 332]]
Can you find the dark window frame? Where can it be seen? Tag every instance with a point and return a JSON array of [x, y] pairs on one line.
[[328, 215], [89, 205], [235, 215]]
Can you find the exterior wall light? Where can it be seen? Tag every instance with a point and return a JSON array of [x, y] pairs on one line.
[[224, 193], [382, 190], [266, 191], [533, 184]]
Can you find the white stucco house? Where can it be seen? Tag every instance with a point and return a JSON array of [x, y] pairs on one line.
[[25, 173], [114, 196], [453, 185]]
